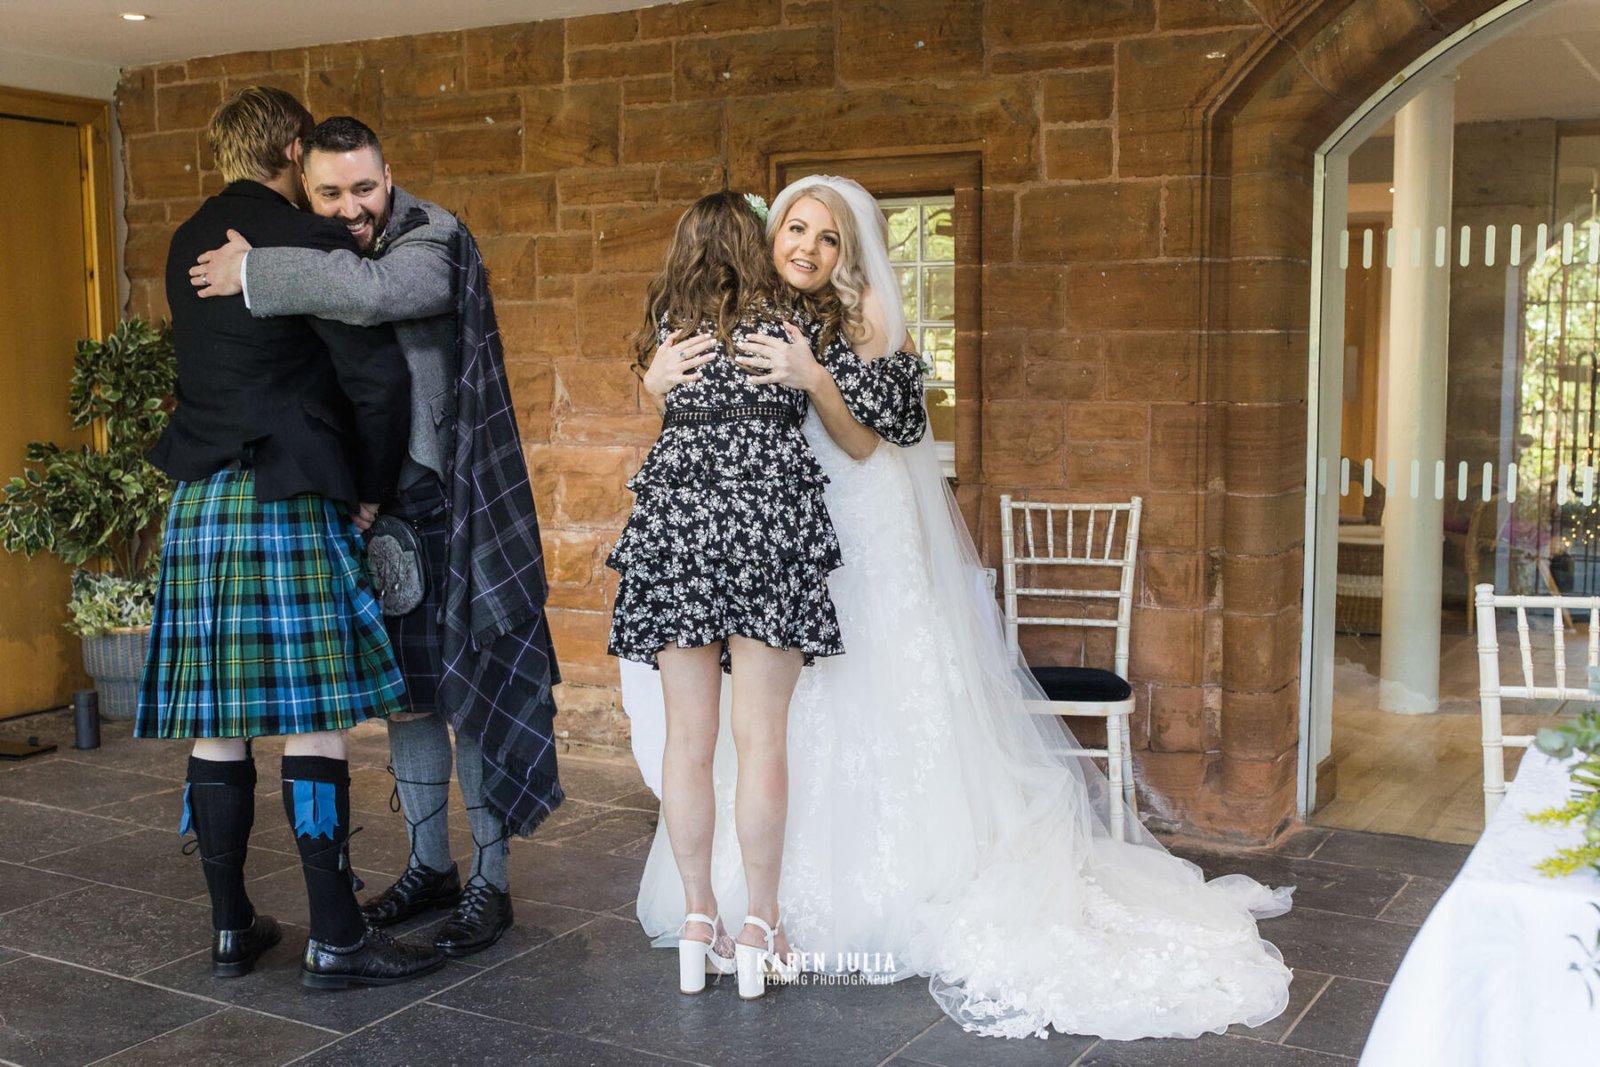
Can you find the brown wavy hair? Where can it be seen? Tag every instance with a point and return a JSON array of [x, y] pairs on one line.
[[718, 267]]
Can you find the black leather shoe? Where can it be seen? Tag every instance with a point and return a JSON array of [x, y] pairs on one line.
[[419, 889], [377, 959], [482, 916], [234, 952]]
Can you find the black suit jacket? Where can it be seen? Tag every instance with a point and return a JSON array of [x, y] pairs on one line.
[[308, 404]]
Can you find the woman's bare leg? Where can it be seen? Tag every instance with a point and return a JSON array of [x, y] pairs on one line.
[[763, 681], [691, 683]]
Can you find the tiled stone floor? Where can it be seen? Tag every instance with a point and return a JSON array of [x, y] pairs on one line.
[[104, 928]]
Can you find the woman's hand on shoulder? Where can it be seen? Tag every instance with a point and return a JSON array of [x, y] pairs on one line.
[[771, 361], [677, 360]]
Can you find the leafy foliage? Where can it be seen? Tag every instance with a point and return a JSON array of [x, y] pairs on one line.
[[102, 603], [101, 508], [1583, 736]]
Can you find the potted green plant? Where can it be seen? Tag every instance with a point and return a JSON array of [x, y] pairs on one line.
[[100, 507]]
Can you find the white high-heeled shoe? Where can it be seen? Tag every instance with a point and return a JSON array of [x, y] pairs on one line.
[[756, 963], [696, 959]]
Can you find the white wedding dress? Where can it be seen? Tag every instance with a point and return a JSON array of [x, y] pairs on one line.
[[938, 829]]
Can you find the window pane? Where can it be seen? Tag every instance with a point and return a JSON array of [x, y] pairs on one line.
[[939, 349], [938, 232], [902, 231], [908, 292], [939, 294], [922, 248], [941, 398], [942, 413]]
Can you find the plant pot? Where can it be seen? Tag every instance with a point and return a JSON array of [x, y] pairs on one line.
[[116, 661]]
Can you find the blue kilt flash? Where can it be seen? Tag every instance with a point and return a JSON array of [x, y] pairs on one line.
[[265, 622]]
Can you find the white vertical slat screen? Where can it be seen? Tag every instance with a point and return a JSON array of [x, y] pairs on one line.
[[1466, 481], [1472, 249]]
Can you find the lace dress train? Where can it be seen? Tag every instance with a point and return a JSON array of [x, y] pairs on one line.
[[938, 829]]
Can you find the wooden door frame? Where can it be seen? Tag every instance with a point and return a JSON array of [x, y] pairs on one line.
[[98, 270], [92, 119]]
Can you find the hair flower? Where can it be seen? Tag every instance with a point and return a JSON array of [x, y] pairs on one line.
[[757, 205]]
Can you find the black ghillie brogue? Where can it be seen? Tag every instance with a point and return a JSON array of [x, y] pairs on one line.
[[483, 915], [234, 952], [377, 959], [417, 890]]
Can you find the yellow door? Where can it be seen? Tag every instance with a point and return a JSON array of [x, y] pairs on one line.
[[44, 309]]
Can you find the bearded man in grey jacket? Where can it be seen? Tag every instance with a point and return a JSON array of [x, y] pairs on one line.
[[407, 275]]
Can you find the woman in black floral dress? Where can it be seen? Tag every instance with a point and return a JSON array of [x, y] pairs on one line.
[[666, 597], [724, 564]]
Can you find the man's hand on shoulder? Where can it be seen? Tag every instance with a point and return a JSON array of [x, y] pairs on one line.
[[217, 272]]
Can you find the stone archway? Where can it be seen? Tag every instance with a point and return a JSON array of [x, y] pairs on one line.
[[1277, 104]]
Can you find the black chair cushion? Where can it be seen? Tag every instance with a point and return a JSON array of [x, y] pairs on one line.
[[1081, 683]]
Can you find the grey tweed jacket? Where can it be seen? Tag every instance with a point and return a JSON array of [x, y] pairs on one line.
[[410, 282]]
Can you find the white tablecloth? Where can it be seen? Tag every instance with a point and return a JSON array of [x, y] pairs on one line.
[[1489, 979]]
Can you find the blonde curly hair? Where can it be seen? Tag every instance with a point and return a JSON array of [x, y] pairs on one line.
[[837, 305]]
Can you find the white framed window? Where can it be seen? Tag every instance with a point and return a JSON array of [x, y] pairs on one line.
[[922, 250]]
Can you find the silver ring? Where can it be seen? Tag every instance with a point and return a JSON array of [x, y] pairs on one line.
[[204, 278]]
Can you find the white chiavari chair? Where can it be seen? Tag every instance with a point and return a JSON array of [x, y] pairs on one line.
[[1490, 689], [1078, 539]]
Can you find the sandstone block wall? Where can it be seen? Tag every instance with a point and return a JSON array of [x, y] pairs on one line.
[[1145, 223]]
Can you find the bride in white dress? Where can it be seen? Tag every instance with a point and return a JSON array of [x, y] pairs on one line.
[[936, 828]]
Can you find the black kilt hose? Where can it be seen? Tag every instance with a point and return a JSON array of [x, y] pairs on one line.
[[265, 622]]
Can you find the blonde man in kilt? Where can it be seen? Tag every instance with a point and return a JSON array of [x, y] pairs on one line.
[[461, 538], [265, 622]]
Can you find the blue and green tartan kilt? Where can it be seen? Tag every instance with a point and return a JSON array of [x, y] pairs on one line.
[[265, 622]]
